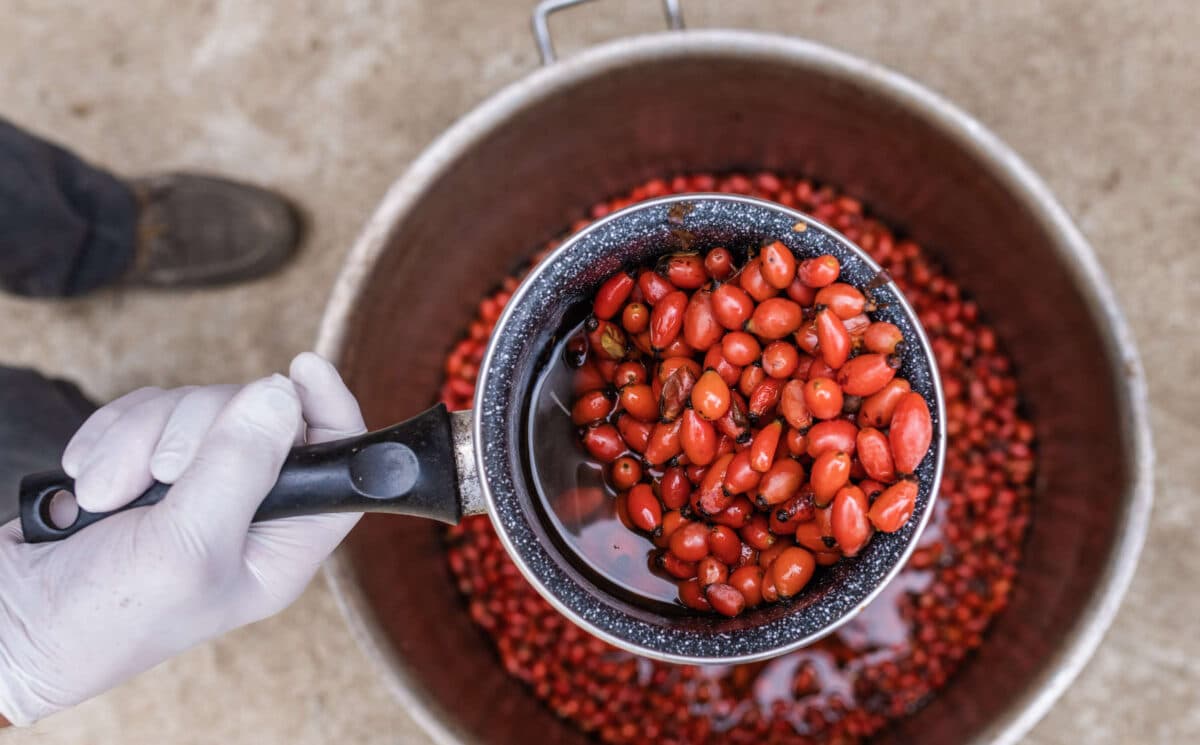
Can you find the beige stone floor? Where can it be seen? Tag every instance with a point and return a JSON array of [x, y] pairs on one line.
[[329, 101]]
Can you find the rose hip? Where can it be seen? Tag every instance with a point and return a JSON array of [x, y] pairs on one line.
[[774, 318], [778, 265], [737, 515], [666, 319], [638, 401], [757, 533], [792, 570], [767, 557], [675, 392], [856, 326], [663, 444], [781, 482], [654, 288], [764, 445], [603, 442], [718, 263], [692, 596], [700, 327], [714, 359], [629, 373], [844, 300], [635, 318], [751, 376], [882, 337], [806, 339], [793, 406], [732, 306], [851, 528], [711, 571], [830, 472], [710, 396], [725, 599], [674, 488], [610, 298], [911, 432], [634, 432], [724, 544], [690, 542], [735, 423], [677, 348], [698, 438], [593, 406], [754, 283], [797, 442], [866, 374], [780, 359], [877, 409], [833, 341], [894, 506], [747, 580], [672, 521], [824, 397], [835, 434], [740, 348], [685, 270], [740, 477], [625, 472], [875, 454], [644, 510], [819, 272], [809, 536]]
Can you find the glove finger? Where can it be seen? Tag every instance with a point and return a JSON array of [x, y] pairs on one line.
[[118, 468], [79, 449], [235, 466], [186, 428], [281, 557], [330, 409]]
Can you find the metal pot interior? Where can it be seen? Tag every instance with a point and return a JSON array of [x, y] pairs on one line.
[[522, 168]]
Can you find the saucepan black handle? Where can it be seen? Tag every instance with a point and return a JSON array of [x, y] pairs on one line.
[[406, 469]]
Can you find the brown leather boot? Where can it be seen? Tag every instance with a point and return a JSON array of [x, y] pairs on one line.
[[203, 230]]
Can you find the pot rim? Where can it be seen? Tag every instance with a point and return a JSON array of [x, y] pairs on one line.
[[1019, 179], [799, 627]]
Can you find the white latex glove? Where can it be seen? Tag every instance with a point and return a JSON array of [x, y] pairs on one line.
[[81, 615]]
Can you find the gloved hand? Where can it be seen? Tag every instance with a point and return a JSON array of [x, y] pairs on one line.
[[79, 616]]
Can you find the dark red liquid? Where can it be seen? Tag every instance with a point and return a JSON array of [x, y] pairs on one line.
[[579, 504]]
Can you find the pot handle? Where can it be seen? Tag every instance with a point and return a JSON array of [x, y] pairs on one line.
[[412, 468], [541, 27]]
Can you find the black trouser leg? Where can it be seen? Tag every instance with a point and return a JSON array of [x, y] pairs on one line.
[[37, 418], [65, 227]]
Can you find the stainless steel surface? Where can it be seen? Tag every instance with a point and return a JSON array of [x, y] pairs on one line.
[[561, 287], [469, 489], [610, 117], [541, 22]]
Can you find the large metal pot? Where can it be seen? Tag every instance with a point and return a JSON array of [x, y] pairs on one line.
[[515, 171]]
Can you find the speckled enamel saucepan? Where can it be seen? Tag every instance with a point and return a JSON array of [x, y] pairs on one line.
[[444, 466]]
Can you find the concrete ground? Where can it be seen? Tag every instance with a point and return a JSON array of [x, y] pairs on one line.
[[330, 101]]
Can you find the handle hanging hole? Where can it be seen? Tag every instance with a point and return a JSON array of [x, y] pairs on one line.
[[61, 510]]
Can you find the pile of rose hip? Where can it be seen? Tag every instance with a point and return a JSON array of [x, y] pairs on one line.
[[751, 419], [899, 651]]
